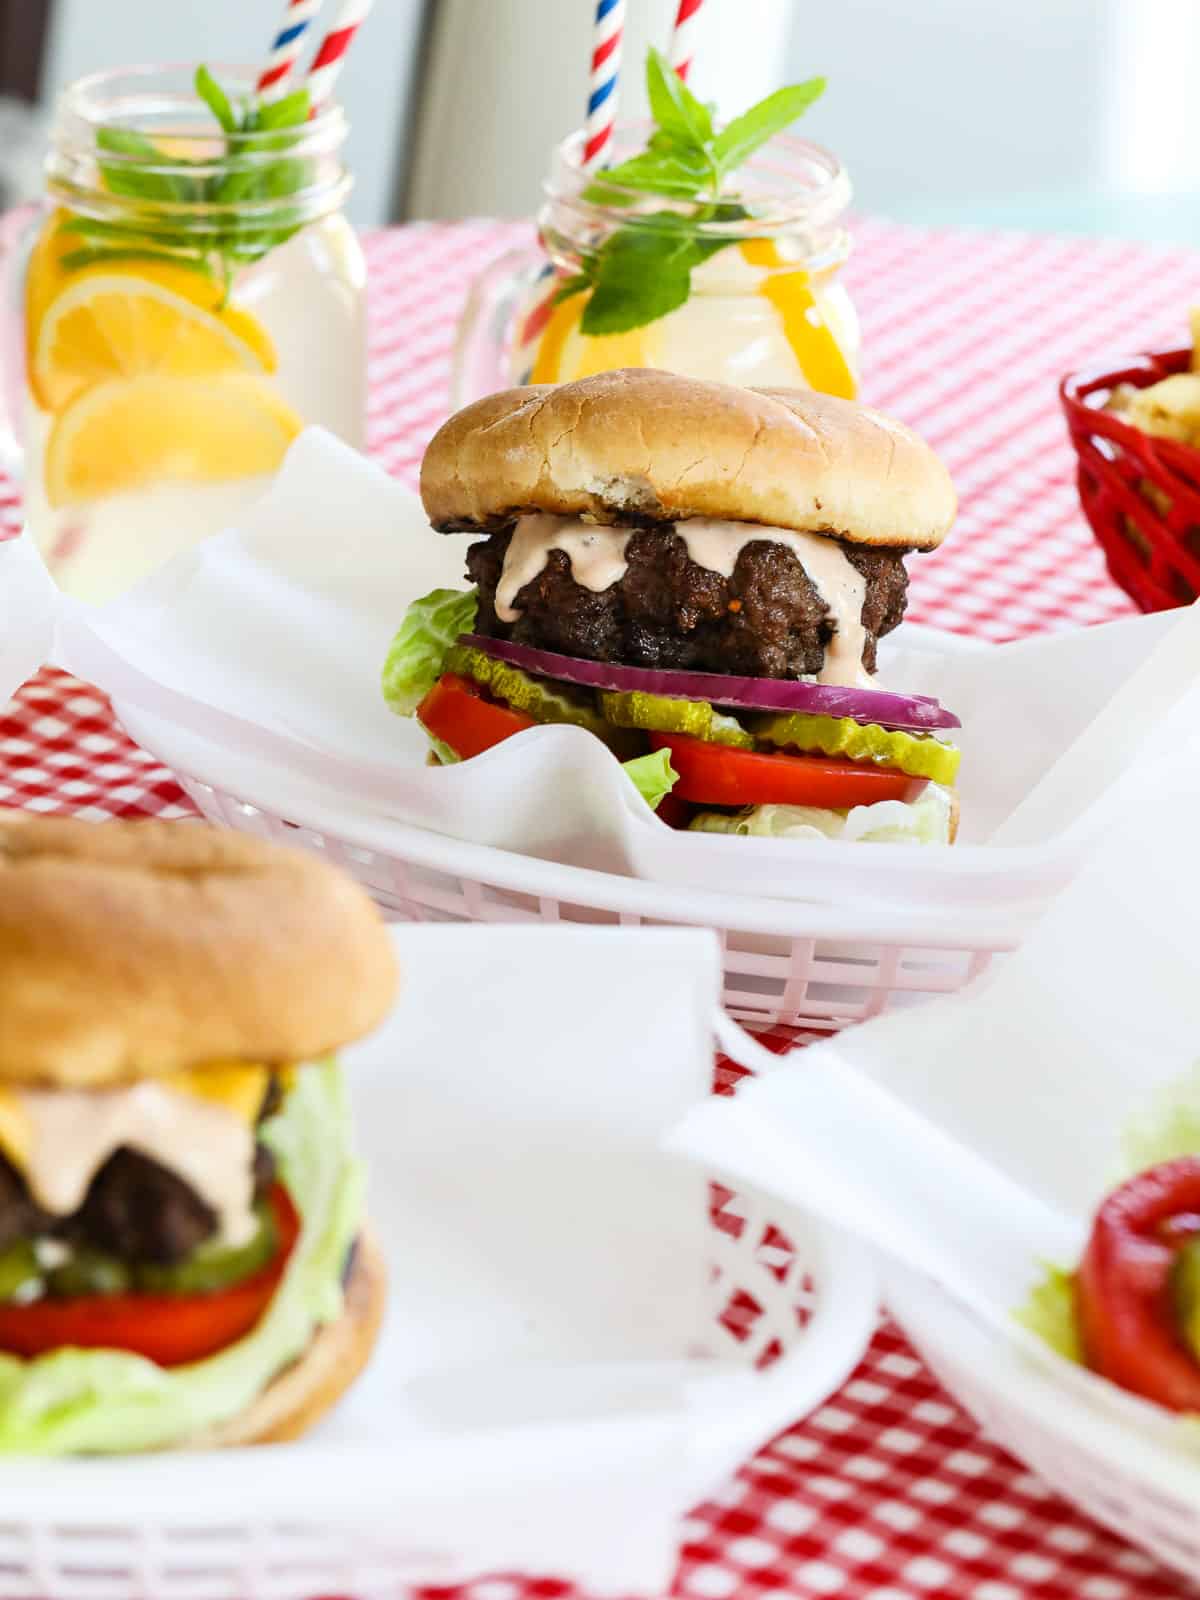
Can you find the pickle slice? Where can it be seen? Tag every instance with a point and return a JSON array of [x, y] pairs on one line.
[[214, 1266], [18, 1268], [1184, 1289], [660, 713], [89, 1272], [538, 698], [917, 754]]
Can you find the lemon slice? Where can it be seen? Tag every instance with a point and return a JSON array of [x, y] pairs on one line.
[[131, 433], [159, 319]]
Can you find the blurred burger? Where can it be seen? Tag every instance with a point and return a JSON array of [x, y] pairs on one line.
[[182, 1254], [699, 575]]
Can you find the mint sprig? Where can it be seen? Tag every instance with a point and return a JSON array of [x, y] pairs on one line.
[[248, 126], [644, 270]]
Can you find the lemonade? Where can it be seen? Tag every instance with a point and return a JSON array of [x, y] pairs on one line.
[[753, 318], [707, 250], [174, 345]]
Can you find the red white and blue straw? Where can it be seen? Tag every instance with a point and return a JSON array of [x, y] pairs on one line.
[[683, 39], [285, 48], [606, 66], [331, 57]]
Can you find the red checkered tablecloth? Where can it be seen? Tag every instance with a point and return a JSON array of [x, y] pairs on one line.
[[889, 1492]]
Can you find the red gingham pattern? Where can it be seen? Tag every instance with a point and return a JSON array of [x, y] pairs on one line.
[[888, 1492]]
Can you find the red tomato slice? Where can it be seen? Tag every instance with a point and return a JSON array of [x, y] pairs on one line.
[[168, 1329], [716, 775], [1122, 1294], [456, 712]]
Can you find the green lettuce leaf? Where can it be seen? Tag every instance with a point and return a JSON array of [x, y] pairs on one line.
[[652, 776], [925, 821], [447, 756], [1168, 1128], [109, 1401], [430, 627], [1050, 1313]]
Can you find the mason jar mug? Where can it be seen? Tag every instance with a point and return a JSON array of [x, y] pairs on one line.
[[184, 301], [766, 304]]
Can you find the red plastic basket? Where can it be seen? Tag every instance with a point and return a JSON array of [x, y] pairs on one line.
[[1141, 494]]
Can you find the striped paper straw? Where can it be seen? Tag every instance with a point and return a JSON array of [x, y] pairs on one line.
[[285, 48], [606, 65], [683, 40], [331, 57]]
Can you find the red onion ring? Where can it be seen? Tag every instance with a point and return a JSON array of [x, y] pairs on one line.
[[916, 713]]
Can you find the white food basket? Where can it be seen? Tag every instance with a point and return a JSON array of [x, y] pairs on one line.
[[491, 1432], [788, 1295], [784, 961], [1147, 1489]]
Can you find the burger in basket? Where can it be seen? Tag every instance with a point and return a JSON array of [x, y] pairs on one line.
[[182, 1255], [698, 575]]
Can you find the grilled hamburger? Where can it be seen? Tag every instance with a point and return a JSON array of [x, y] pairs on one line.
[[182, 1254], [699, 575]]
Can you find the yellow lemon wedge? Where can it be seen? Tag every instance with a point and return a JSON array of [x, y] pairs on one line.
[[565, 353], [822, 360], [130, 433], [147, 318]]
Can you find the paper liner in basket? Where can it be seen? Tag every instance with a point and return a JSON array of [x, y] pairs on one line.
[[268, 641], [973, 1138]]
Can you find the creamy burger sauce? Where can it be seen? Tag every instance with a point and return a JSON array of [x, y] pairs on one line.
[[72, 1133], [596, 554], [597, 557]]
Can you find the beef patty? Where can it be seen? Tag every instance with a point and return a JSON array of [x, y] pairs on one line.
[[135, 1208], [766, 621]]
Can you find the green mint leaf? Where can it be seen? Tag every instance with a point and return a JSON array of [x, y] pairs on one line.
[[217, 101], [639, 275], [95, 255], [284, 178], [93, 228], [745, 134], [134, 182], [571, 287], [289, 112], [679, 175], [673, 106]]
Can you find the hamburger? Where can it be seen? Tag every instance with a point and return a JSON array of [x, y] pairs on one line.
[[183, 1256], [699, 575]]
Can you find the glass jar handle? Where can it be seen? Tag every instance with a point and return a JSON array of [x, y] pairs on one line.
[[485, 345]]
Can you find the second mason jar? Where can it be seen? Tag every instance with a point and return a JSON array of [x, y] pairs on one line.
[[187, 301], [767, 305]]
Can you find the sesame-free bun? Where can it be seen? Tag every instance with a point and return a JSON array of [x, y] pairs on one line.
[[133, 949], [299, 1397], [651, 444]]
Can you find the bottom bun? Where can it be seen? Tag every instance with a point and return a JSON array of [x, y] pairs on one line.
[[301, 1395]]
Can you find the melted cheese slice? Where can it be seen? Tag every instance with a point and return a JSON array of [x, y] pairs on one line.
[[232, 1085], [199, 1124]]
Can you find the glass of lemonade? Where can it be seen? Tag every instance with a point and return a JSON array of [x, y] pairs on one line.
[[767, 304], [181, 305]]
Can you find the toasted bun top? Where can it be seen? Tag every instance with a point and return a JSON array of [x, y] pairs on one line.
[[651, 444], [133, 949]]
